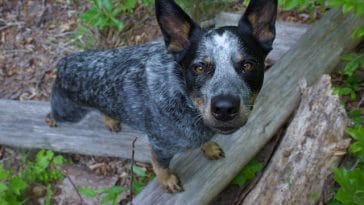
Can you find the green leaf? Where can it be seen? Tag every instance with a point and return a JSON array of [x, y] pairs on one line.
[[347, 7], [352, 186], [3, 201], [248, 172], [88, 192], [49, 196], [356, 116], [139, 171], [342, 91], [117, 11], [351, 67], [17, 185], [358, 33], [107, 4], [356, 147], [290, 4], [348, 57], [137, 187], [335, 3], [112, 194], [359, 9], [58, 160], [130, 4], [356, 133], [98, 3], [146, 2], [3, 173], [119, 25], [3, 188]]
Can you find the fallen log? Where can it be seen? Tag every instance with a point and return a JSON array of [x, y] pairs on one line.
[[313, 144], [316, 53], [22, 125]]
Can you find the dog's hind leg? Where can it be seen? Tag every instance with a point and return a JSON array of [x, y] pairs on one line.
[[63, 109], [168, 181], [112, 124]]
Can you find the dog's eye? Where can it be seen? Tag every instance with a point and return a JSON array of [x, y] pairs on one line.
[[199, 69], [247, 67]]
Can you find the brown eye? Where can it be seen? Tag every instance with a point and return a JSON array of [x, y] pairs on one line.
[[199, 69], [247, 67]]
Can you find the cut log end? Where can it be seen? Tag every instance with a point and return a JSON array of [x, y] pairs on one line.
[[307, 153]]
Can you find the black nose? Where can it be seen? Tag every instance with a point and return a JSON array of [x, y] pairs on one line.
[[225, 107]]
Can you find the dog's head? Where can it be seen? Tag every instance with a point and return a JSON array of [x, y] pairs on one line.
[[223, 67]]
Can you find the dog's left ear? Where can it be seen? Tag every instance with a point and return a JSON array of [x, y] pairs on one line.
[[259, 20], [177, 27]]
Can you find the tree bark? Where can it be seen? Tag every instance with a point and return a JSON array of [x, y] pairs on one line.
[[313, 144]]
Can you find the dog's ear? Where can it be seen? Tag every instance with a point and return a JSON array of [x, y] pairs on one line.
[[177, 27], [259, 20]]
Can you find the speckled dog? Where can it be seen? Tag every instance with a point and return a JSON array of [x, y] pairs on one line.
[[180, 92]]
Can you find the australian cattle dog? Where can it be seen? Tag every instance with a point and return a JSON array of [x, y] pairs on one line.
[[180, 92]]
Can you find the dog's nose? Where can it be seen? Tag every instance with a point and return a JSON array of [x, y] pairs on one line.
[[225, 107]]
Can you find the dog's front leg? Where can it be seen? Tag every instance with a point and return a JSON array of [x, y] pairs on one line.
[[112, 124], [168, 181], [212, 151]]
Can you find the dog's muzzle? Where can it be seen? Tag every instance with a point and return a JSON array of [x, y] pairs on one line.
[[225, 107]]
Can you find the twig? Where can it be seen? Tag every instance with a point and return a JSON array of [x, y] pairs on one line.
[[10, 25], [74, 187], [131, 171]]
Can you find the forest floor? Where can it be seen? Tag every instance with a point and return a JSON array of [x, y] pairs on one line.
[[34, 35]]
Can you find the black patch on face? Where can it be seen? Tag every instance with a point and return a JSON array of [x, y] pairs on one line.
[[193, 81]]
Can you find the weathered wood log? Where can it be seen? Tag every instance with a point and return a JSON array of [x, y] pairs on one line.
[[316, 53], [22, 123], [312, 146]]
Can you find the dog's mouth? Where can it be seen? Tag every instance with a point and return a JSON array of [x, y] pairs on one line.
[[225, 130]]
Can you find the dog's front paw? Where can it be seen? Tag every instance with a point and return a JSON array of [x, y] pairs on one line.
[[170, 182], [111, 124], [212, 151], [51, 122]]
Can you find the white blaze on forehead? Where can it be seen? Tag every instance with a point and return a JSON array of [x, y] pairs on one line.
[[222, 48]]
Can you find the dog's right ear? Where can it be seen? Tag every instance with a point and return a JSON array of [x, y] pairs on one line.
[[177, 27], [259, 21]]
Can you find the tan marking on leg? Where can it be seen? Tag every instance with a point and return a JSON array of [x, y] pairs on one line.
[[212, 151], [111, 124], [168, 181], [51, 122]]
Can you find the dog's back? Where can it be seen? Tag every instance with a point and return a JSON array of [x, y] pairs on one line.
[[89, 79], [123, 84]]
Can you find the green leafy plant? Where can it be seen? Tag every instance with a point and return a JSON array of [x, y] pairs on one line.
[[43, 170], [300, 4], [111, 194], [108, 195], [351, 84], [247, 173], [102, 15], [141, 179], [351, 183]]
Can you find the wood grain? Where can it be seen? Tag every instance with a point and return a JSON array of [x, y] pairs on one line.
[[313, 144], [22, 125]]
